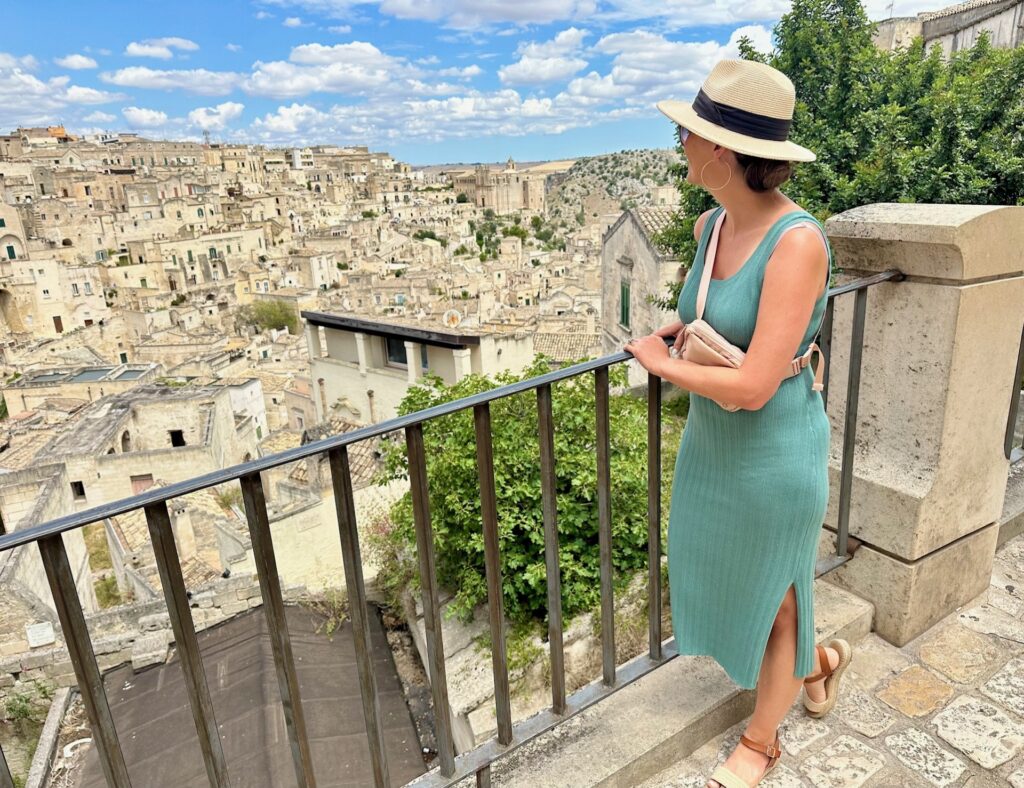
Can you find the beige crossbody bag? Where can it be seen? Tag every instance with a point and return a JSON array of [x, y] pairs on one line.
[[703, 345]]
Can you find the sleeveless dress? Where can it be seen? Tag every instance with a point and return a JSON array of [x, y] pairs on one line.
[[749, 492]]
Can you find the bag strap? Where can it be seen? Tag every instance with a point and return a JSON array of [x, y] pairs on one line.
[[709, 264]]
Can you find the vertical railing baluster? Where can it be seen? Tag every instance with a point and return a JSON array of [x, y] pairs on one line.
[[850, 428], [492, 564], [344, 503], [6, 780], [654, 515], [169, 567], [826, 346], [483, 777], [604, 526], [554, 579], [431, 605], [280, 640], [83, 660]]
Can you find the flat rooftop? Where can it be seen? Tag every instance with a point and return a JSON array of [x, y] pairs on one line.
[[158, 734]]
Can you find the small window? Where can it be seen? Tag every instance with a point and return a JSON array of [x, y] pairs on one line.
[[124, 358], [3, 222], [78, 491], [74, 288], [177, 438], [624, 304], [88, 288]]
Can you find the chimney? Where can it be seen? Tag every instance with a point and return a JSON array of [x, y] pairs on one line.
[[184, 533]]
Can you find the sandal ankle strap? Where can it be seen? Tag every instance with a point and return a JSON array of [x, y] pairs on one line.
[[825, 671], [773, 751]]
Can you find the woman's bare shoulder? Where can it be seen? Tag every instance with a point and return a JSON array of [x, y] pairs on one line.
[[698, 226]]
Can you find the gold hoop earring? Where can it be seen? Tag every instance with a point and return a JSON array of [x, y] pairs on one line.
[[715, 188]]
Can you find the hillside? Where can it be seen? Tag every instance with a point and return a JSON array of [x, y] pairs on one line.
[[611, 182]]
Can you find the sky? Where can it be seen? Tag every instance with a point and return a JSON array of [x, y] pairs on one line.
[[430, 81]]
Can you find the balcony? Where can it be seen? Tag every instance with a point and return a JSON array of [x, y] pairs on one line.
[[511, 738]]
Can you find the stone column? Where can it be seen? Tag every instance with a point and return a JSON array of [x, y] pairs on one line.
[[463, 363], [939, 352], [412, 358], [361, 350], [313, 341]]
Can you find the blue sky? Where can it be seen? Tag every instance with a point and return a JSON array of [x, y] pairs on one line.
[[431, 81]]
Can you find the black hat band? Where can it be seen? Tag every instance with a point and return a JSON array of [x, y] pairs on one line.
[[740, 120]]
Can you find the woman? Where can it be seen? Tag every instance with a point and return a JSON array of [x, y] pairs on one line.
[[751, 486]]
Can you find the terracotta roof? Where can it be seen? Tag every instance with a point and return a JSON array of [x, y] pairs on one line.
[[653, 220], [567, 347], [969, 5]]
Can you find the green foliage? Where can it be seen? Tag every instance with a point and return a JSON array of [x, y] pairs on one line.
[[462, 198], [515, 230], [455, 499], [266, 315], [107, 592], [536, 223], [342, 266], [369, 214], [901, 126], [178, 300], [461, 249], [489, 214]]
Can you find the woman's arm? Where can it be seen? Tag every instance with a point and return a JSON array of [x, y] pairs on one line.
[[792, 283]]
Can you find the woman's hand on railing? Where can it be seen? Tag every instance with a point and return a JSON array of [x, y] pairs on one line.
[[673, 330]]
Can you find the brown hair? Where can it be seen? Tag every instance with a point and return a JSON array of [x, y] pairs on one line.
[[763, 175]]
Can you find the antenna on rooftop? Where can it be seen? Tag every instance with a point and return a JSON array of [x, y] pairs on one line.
[[206, 137]]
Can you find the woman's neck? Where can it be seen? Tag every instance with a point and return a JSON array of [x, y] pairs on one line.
[[750, 211]]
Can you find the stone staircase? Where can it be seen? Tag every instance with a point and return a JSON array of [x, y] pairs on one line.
[[653, 723]]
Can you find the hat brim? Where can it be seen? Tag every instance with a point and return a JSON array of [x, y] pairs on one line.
[[784, 150]]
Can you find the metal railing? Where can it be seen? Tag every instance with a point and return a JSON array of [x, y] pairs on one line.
[[1015, 453], [48, 538]]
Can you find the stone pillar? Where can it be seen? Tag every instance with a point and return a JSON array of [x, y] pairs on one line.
[[412, 358], [463, 363], [184, 533], [361, 350], [939, 352], [313, 341]]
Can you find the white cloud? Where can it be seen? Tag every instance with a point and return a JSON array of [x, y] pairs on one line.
[[566, 42], [535, 70], [233, 47], [215, 118], [548, 61], [144, 118], [462, 73], [292, 21], [355, 68], [340, 29], [99, 117], [26, 62], [287, 121], [76, 94], [201, 81], [27, 99], [160, 47], [76, 62], [463, 14], [263, 15]]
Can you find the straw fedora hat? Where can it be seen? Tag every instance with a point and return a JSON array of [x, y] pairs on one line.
[[745, 106]]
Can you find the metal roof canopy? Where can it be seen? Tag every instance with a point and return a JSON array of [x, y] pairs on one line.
[[439, 338]]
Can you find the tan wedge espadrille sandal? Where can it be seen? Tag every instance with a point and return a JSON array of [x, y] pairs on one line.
[[831, 676], [729, 779]]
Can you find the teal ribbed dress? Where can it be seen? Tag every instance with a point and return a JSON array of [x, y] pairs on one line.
[[749, 492]]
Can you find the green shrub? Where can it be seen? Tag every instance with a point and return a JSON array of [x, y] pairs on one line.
[[455, 499]]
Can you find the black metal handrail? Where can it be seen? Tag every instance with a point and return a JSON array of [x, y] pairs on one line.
[[509, 736]]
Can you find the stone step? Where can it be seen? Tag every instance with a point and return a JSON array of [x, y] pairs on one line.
[[1011, 522], [659, 719]]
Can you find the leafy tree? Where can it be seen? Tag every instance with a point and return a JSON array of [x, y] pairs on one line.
[[902, 126], [516, 230], [453, 489], [462, 198], [266, 315]]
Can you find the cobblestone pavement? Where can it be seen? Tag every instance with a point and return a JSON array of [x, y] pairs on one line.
[[946, 709]]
